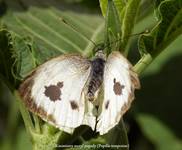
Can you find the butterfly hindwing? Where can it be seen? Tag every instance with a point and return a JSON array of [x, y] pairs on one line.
[[54, 91], [118, 85]]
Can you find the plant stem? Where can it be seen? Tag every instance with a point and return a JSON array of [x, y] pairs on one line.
[[37, 123], [143, 63], [25, 115]]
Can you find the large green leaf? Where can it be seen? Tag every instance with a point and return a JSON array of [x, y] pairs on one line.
[[22, 141], [127, 11], [16, 57], [172, 51], [128, 21], [166, 31], [21, 48], [158, 133], [168, 28], [120, 4], [51, 35], [112, 28]]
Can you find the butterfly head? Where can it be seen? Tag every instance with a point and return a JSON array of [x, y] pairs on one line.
[[99, 51]]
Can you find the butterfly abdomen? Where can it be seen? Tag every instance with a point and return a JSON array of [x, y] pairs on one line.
[[96, 77]]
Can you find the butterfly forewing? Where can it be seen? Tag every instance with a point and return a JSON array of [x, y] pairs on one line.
[[54, 91], [119, 84]]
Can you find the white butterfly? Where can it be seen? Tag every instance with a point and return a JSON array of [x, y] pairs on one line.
[[70, 90]]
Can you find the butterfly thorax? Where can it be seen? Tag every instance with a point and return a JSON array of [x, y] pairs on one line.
[[96, 76]]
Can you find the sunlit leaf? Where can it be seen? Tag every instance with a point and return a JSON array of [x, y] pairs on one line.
[[120, 4], [49, 35]]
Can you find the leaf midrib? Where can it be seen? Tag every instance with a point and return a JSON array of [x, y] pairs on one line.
[[38, 21], [37, 35]]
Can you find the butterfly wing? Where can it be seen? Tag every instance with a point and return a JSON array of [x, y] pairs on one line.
[[54, 91], [119, 84]]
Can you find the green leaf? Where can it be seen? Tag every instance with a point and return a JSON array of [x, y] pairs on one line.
[[118, 136], [158, 133], [94, 143], [112, 28], [22, 52], [46, 141], [127, 14], [17, 57], [103, 6], [128, 21], [120, 4], [168, 28], [172, 51], [6, 60], [38, 34], [22, 141], [52, 36]]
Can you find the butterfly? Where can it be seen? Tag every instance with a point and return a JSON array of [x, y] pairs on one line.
[[71, 90]]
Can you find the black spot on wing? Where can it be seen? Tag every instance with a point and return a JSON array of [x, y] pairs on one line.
[[74, 104], [117, 88], [60, 84], [25, 90], [107, 104], [54, 91]]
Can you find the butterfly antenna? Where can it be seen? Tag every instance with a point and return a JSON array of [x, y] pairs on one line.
[[73, 28], [113, 42]]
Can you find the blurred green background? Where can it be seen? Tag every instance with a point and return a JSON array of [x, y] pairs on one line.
[[154, 122]]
